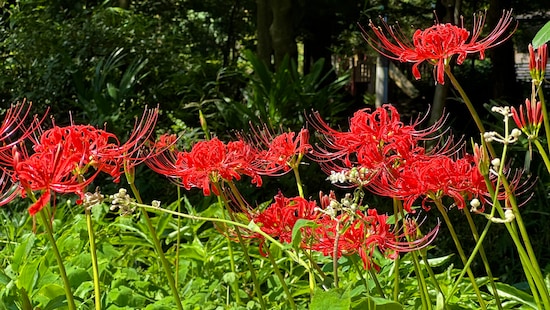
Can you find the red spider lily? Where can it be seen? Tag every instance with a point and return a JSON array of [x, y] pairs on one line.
[[434, 177], [7, 189], [14, 128], [358, 233], [537, 62], [438, 43], [528, 119], [119, 158], [14, 121], [208, 162], [363, 234], [375, 140], [278, 154], [60, 162], [279, 218]]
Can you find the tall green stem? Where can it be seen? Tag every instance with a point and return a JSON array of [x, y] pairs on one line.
[[241, 241], [461, 253], [543, 154], [479, 244], [231, 258], [298, 180], [424, 295], [59, 259], [93, 253], [158, 248], [281, 279], [545, 115]]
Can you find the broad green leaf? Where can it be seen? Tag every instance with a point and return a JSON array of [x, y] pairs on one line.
[[334, 299], [510, 292], [542, 36], [22, 250], [384, 304], [28, 275], [296, 232], [438, 261], [52, 291]]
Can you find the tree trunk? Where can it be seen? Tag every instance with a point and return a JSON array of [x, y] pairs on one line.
[[264, 19], [124, 4], [450, 9], [282, 30]]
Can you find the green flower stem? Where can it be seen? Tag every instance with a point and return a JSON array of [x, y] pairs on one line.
[[397, 211], [544, 117], [433, 277], [93, 253], [297, 176], [469, 105], [479, 244], [396, 279], [59, 259], [360, 273], [282, 280], [241, 241], [158, 248], [178, 241], [424, 295], [231, 257], [471, 259], [532, 259], [534, 284], [335, 254], [443, 212], [543, 153], [377, 283]]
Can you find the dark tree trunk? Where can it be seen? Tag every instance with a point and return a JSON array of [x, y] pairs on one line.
[[449, 11], [264, 18], [282, 30]]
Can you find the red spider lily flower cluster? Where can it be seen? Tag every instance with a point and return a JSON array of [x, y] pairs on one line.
[[529, 118], [278, 154], [389, 159], [208, 163], [67, 159], [212, 161], [537, 62], [433, 177], [358, 233], [438, 44]]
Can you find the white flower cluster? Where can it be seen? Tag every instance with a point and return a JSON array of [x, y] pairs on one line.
[[123, 202], [358, 176]]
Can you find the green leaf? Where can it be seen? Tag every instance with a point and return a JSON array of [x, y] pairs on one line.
[[52, 291], [28, 275], [510, 292], [296, 233], [22, 250], [384, 304], [542, 36], [334, 299]]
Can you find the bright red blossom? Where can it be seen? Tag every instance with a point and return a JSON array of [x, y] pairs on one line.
[[438, 43], [529, 118], [61, 162], [376, 140], [360, 233], [537, 62], [208, 162], [278, 154], [434, 177]]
